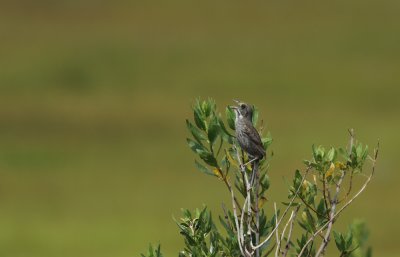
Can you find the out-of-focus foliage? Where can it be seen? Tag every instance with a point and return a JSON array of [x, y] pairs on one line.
[[91, 97], [153, 252]]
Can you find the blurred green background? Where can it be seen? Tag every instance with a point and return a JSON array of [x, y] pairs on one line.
[[94, 95]]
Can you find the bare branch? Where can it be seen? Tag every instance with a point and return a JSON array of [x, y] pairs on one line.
[[242, 219], [256, 207], [236, 220], [283, 232], [278, 241], [286, 210], [326, 239], [364, 186], [292, 219], [352, 136]]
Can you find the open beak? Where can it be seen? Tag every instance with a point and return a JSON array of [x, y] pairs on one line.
[[237, 101], [233, 107]]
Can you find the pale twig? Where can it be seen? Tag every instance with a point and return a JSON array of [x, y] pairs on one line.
[[278, 242], [248, 203], [249, 213], [224, 178], [334, 203], [352, 136], [326, 239], [351, 143], [242, 219], [257, 210], [236, 220], [283, 232], [234, 201], [364, 186], [286, 210], [287, 246]]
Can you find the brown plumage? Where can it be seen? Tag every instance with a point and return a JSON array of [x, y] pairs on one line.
[[247, 136]]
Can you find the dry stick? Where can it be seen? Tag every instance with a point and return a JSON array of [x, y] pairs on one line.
[[278, 242], [325, 242], [350, 185], [228, 222], [257, 211], [287, 246], [224, 178], [248, 202], [352, 136], [286, 210], [283, 232], [242, 219], [236, 219], [234, 202], [249, 213], [347, 204], [334, 203]]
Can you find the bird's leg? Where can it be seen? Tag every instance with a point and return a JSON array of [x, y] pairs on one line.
[[254, 173], [255, 159]]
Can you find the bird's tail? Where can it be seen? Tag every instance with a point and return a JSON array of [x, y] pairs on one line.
[[254, 172]]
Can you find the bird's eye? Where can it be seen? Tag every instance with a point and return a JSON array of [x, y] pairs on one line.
[[243, 106]]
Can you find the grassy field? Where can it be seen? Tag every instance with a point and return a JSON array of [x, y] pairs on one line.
[[94, 95]]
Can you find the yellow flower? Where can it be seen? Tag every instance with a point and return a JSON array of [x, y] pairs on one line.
[[340, 165], [217, 173], [330, 171]]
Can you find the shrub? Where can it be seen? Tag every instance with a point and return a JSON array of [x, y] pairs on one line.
[[303, 226]]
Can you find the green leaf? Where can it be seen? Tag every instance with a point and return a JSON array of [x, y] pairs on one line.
[[209, 159], [266, 141], [359, 150], [331, 154], [203, 169], [343, 152], [297, 179], [153, 252], [294, 204], [264, 182], [321, 209], [314, 152], [369, 252], [348, 240], [255, 116], [196, 147], [230, 117], [213, 130], [199, 119], [339, 240], [226, 136], [206, 107], [196, 133], [365, 153], [228, 229]]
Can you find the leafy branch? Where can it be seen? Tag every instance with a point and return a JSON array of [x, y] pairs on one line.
[[316, 197]]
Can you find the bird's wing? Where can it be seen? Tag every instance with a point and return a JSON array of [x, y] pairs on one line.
[[253, 135]]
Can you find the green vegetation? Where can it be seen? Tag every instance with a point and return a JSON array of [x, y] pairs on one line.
[[318, 195], [93, 96]]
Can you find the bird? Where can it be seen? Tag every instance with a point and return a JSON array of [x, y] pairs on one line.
[[247, 135]]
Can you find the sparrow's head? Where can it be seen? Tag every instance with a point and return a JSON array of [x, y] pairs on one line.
[[243, 110]]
